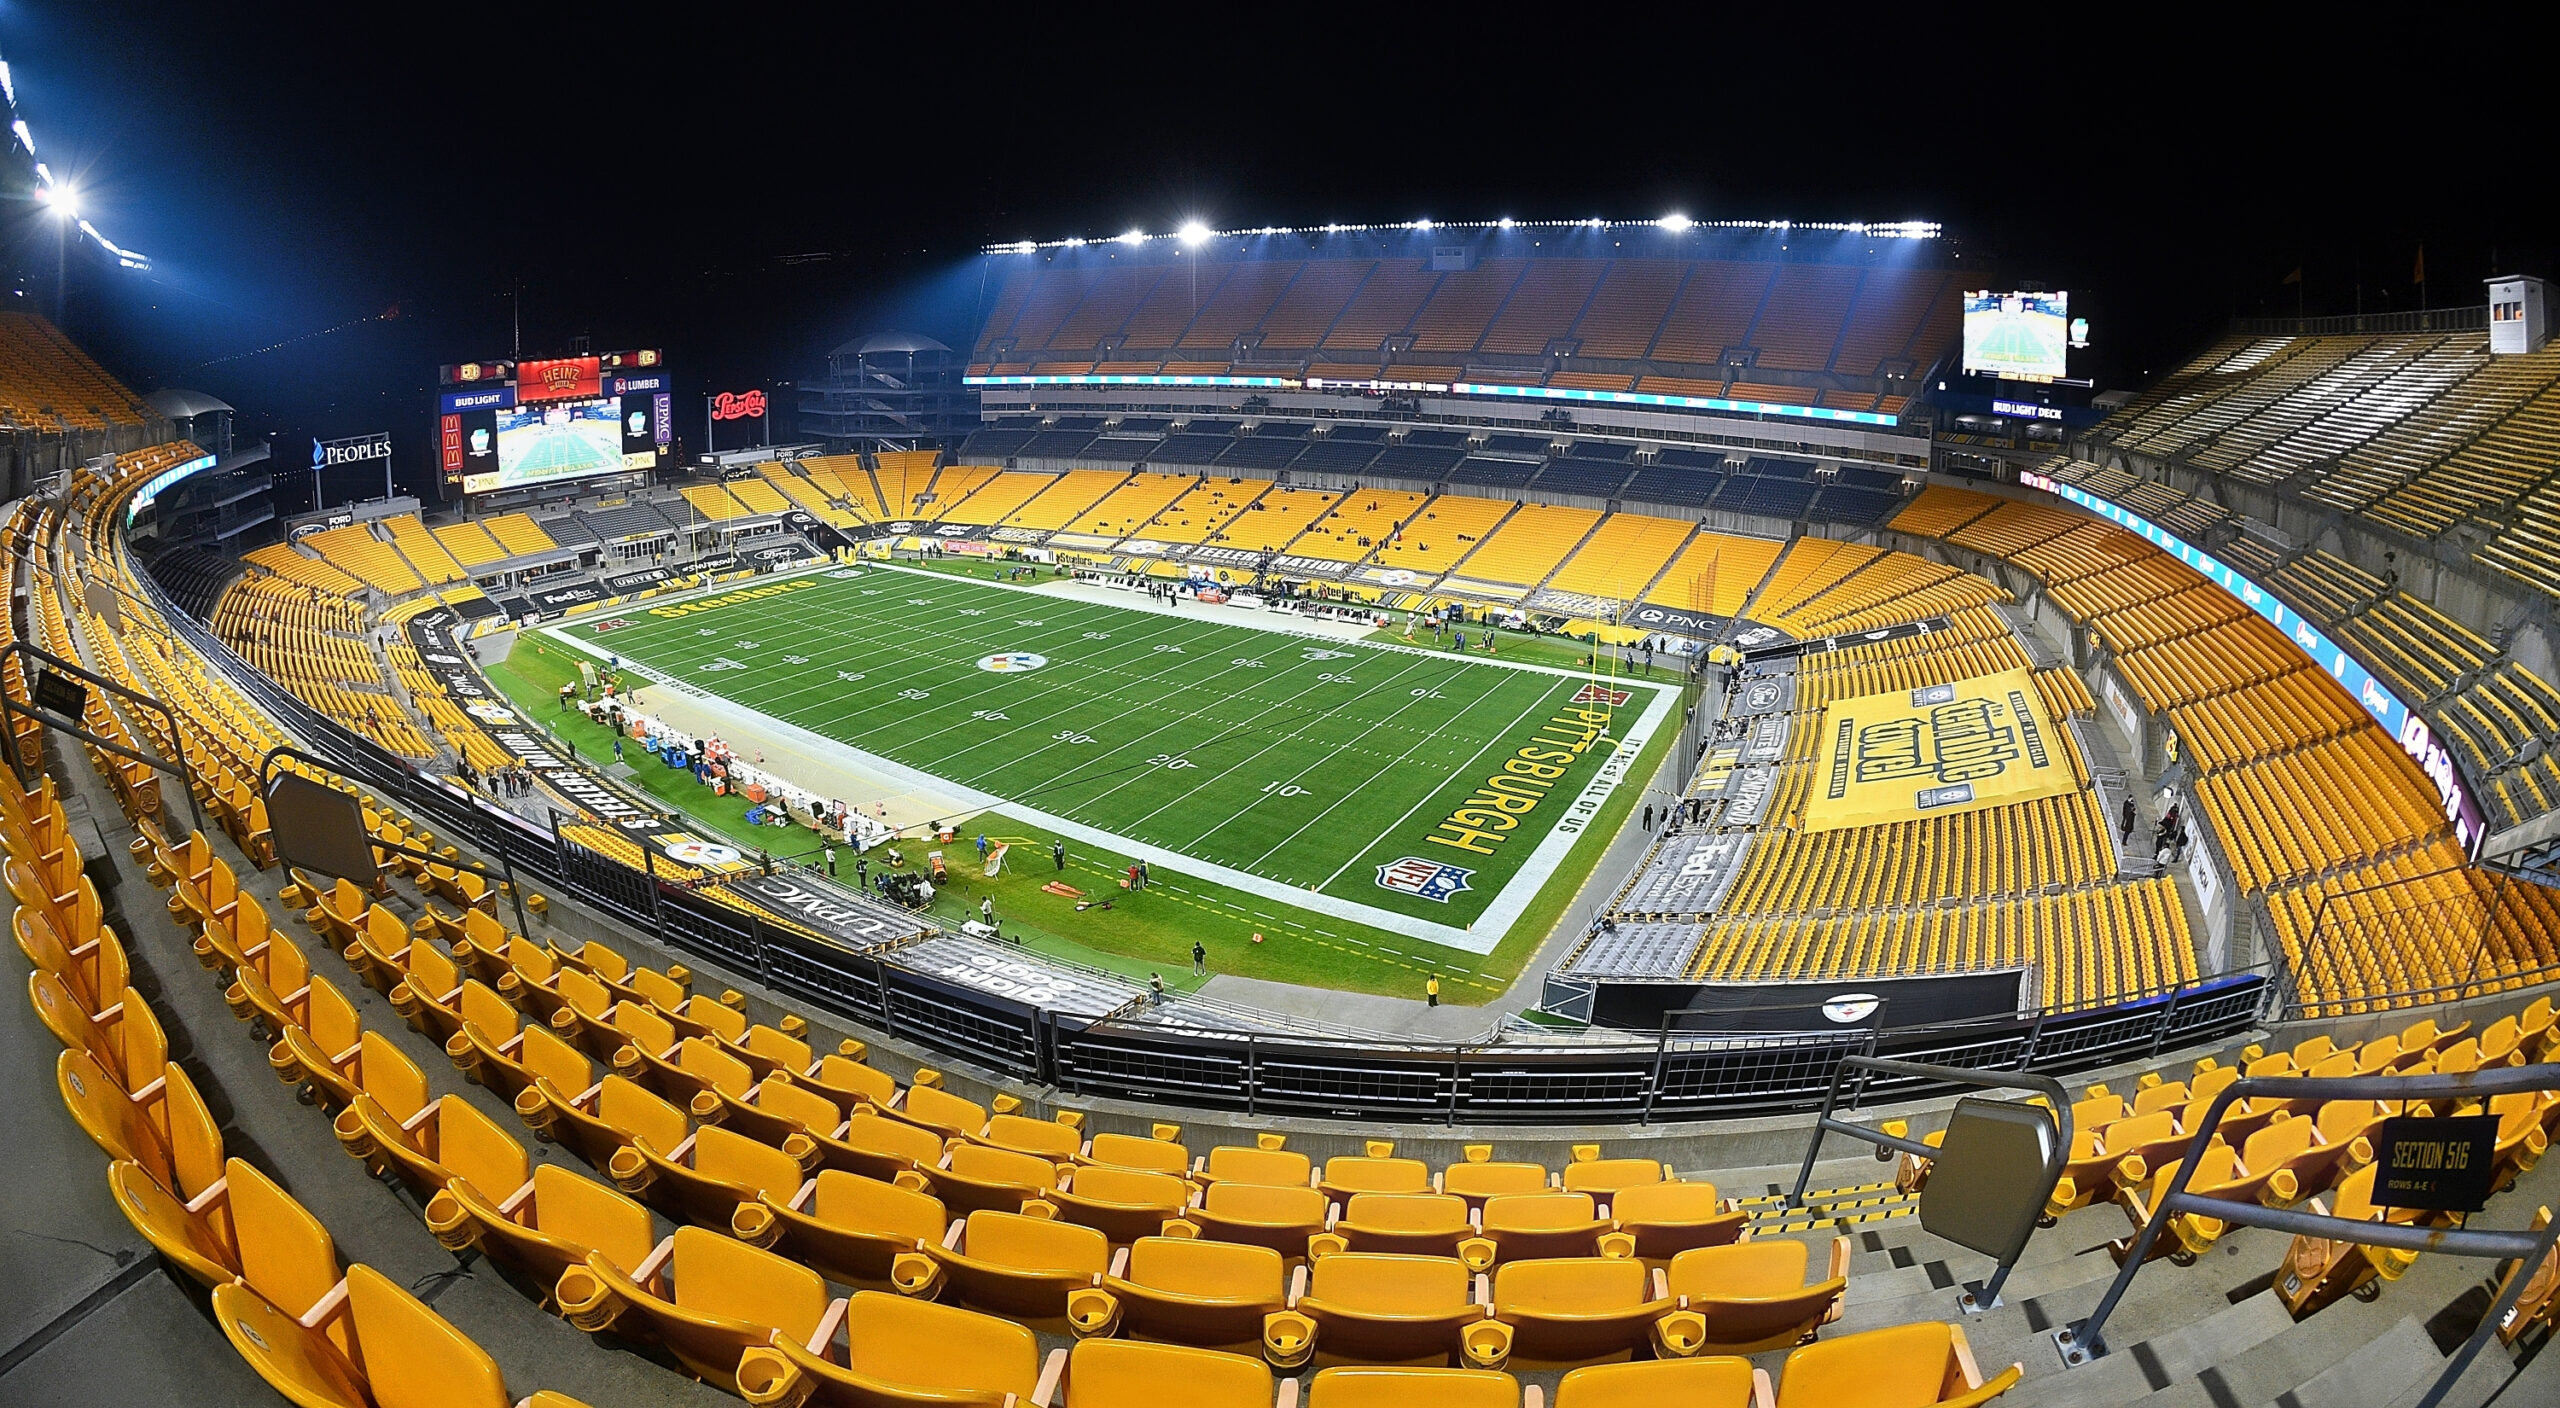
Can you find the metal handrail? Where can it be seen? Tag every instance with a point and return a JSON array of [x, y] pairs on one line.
[[2047, 1086], [2082, 1343]]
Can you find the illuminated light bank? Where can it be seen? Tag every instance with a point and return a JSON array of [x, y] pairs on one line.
[[1192, 234], [2403, 723], [160, 483], [1457, 388]]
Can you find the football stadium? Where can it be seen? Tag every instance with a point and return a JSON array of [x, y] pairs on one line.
[[1429, 812]]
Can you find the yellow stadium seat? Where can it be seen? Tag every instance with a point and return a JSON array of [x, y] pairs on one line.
[[1211, 1295], [1576, 1310], [1662, 1220], [1752, 1296], [707, 1178], [1008, 1263], [1122, 1204], [1365, 1308], [164, 1129], [1412, 1388], [1715, 1381], [848, 1228], [975, 1177], [374, 1066], [851, 1084], [602, 1119], [1536, 1226], [442, 1142], [1050, 1139], [1239, 1163], [1350, 1174], [726, 1299], [898, 1351], [194, 1235], [1126, 1374], [1480, 1178], [126, 1039], [509, 1065], [555, 1221], [397, 1353], [1602, 1178], [1904, 1366], [941, 1111], [874, 1146], [1417, 1224], [1280, 1217], [1157, 1155]]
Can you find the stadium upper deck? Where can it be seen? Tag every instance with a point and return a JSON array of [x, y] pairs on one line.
[[1843, 323]]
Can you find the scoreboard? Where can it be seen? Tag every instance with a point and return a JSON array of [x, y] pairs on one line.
[[509, 424]]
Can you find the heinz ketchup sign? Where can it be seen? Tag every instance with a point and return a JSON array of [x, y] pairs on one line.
[[737, 405], [564, 379]]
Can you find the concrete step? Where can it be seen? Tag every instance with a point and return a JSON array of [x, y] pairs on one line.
[[2134, 1369]]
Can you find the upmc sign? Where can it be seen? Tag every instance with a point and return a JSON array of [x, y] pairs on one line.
[[737, 405], [563, 379]]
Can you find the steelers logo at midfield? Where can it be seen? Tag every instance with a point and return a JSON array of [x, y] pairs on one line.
[[703, 853], [1012, 662], [490, 714]]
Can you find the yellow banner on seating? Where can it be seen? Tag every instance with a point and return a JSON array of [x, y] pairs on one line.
[[1936, 751]]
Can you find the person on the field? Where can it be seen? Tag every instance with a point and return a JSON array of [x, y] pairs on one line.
[[1058, 853], [1199, 959], [1431, 989], [1133, 875], [1146, 877], [1155, 988], [987, 909]]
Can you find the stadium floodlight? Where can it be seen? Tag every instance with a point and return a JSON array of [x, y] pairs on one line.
[[1133, 237], [1505, 223], [64, 201], [1422, 224], [1675, 222], [1192, 233]]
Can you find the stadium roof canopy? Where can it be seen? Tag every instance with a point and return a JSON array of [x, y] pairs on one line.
[[1195, 233], [890, 342], [177, 404]]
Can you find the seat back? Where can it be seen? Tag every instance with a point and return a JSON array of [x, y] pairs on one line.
[[1350, 1174], [1239, 1163], [735, 1160], [917, 1345], [1046, 1138], [1580, 1285], [1538, 1212], [1130, 1374], [1206, 1270], [198, 1246], [1390, 1286], [894, 1139], [1711, 1381], [1607, 1176], [725, 1279], [840, 1074], [883, 1209], [1408, 1212], [1900, 1364], [285, 1254], [707, 1061], [984, 1163], [1019, 1243], [941, 1110], [1104, 1183], [1412, 1388], [1477, 1181], [1647, 1203], [632, 1111], [1132, 1151]]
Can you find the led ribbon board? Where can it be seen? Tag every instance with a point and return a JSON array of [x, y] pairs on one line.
[[2416, 738], [1459, 388], [1940, 750]]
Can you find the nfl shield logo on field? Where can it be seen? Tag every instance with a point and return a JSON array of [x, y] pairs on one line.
[[1430, 879]]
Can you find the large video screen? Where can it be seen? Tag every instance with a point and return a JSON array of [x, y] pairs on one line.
[[2021, 336], [561, 440]]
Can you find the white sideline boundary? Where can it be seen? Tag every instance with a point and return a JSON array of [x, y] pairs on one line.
[[1489, 929]]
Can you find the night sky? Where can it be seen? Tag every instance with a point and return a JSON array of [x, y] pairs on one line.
[[747, 186]]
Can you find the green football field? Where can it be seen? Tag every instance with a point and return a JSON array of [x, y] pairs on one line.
[[1413, 789]]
